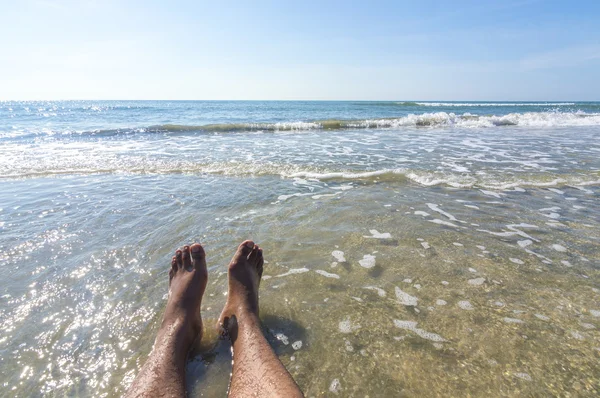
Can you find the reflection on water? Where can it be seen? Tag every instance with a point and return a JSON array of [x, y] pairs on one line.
[[379, 288]]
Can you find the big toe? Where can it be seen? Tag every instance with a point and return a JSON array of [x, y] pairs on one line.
[[244, 249], [198, 256], [253, 256]]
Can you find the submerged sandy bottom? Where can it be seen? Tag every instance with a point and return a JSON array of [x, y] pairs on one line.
[[378, 289]]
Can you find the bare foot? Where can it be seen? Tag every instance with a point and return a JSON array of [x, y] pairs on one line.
[[187, 282], [163, 374], [257, 372], [245, 271]]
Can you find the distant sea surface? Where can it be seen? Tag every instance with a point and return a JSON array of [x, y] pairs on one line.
[[413, 248]]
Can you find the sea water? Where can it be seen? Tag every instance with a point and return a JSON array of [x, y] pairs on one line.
[[412, 248]]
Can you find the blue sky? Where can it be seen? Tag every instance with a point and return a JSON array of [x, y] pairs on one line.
[[376, 50]]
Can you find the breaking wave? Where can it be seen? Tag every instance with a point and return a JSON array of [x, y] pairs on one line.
[[95, 166], [429, 119], [494, 104]]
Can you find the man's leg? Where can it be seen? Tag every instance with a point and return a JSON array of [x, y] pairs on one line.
[[256, 369], [164, 370]]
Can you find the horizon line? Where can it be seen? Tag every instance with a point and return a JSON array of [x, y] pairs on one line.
[[305, 100]]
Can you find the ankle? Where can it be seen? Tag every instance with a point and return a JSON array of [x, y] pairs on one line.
[[176, 332]]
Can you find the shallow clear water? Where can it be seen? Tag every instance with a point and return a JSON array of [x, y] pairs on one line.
[[407, 260]]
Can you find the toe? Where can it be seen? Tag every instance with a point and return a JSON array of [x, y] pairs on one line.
[[244, 249], [178, 258], [261, 263], [198, 255], [174, 263], [253, 257], [187, 259]]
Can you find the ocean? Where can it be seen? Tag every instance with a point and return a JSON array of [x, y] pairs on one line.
[[412, 248]]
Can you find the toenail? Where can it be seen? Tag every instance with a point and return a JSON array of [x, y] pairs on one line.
[[250, 245], [196, 249]]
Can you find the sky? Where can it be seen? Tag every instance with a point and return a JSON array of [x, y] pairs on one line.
[[302, 50]]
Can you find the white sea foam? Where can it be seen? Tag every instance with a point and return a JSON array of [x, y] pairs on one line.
[[442, 222], [346, 326], [512, 320], [339, 256], [513, 231], [379, 290], [286, 197], [436, 208], [476, 281], [283, 338], [368, 261], [529, 119], [524, 243], [412, 326], [293, 271], [335, 386], [494, 104], [327, 274], [523, 376], [378, 235], [326, 195], [491, 193], [576, 335], [405, 298], [465, 305]]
